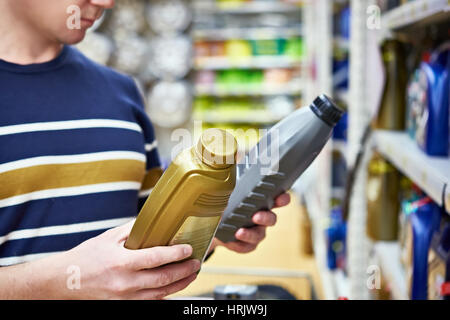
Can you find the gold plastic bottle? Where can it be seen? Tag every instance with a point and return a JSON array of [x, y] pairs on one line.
[[383, 204], [187, 203], [391, 113]]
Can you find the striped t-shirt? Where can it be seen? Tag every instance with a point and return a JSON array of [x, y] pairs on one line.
[[77, 154]]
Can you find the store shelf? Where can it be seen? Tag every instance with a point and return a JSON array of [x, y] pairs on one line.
[[253, 7], [293, 88], [416, 13], [388, 255], [263, 33], [261, 62], [234, 118], [431, 174]]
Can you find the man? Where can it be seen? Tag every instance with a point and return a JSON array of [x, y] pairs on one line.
[[77, 157]]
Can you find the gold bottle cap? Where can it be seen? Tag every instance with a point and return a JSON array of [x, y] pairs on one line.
[[217, 148]]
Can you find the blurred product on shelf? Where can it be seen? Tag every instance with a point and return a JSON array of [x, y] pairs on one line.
[[170, 60], [336, 235], [128, 17], [280, 106], [168, 16], [267, 47], [410, 193], [169, 103], [98, 47], [428, 103], [439, 263], [306, 233], [239, 51], [344, 22], [383, 203], [235, 82], [341, 34], [232, 80], [242, 109], [424, 244], [425, 220], [339, 171], [247, 58], [277, 76], [391, 113], [171, 57], [247, 6], [131, 53], [340, 131], [340, 72]]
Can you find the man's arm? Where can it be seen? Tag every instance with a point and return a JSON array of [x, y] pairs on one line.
[[102, 268]]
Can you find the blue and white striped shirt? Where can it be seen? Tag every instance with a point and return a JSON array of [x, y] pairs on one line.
[[77, 154]]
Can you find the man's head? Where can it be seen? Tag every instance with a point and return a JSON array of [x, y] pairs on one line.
[[65, 21]]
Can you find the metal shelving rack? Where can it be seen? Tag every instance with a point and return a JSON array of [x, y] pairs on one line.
[[294, 88], [254, 7], [418, 12], [315, 183], [262, 33], [261, 62], [430, 173]]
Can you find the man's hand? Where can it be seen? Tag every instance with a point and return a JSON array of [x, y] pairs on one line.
[[249, 238], [107, 270]]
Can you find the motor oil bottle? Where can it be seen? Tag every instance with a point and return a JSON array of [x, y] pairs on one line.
[[383, 203], [392, 110], [439, 263], [276, 162], [187, 203]]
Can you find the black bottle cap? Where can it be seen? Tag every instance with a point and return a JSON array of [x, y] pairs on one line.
[[327, 110]]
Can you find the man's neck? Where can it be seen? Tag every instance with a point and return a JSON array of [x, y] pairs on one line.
[[23, 44]]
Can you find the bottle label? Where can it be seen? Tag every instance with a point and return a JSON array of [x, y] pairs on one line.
[[198, 232], [436, 276]]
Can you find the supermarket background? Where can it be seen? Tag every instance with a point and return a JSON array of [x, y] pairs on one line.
[[369, 219]]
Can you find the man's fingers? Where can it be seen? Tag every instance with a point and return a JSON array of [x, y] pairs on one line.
[[240, 246], [252, 235], [158, 256], [160, 293], [282, 200], [123, 232], [265, 218], [165, 275]]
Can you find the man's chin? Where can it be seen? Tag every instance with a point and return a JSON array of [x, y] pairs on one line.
[[74, 36]]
